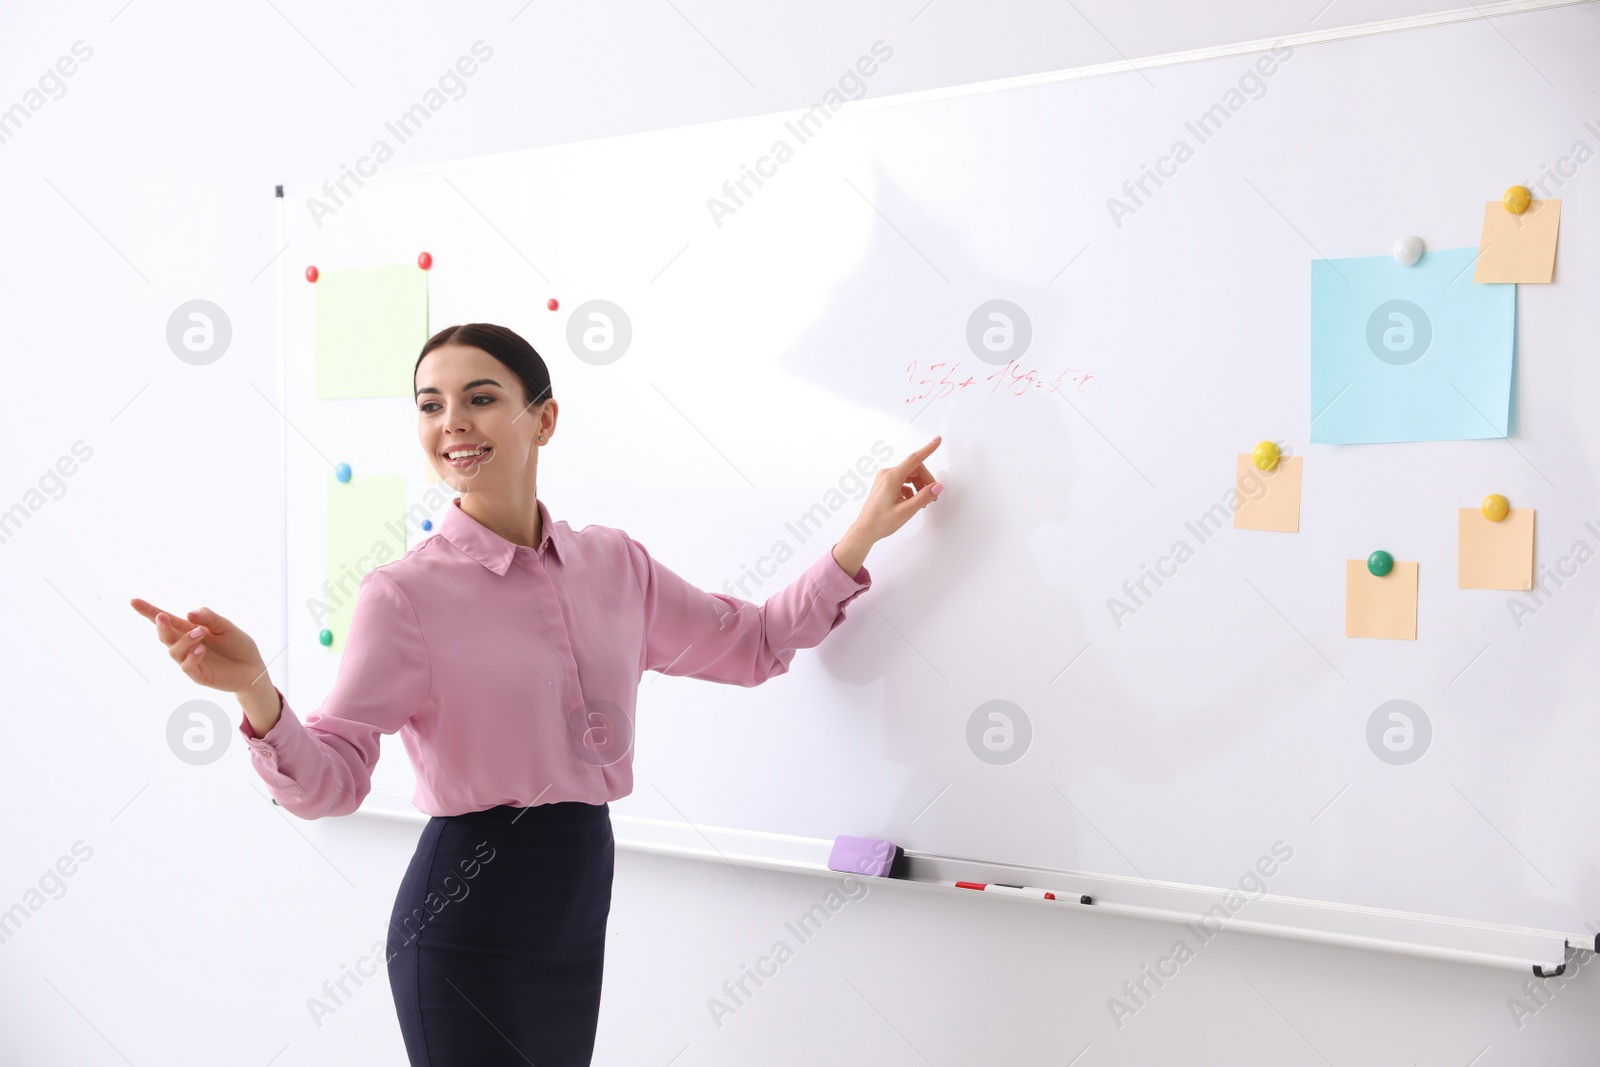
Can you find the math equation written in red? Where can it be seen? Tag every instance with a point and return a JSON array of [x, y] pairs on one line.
[[1014, 379]]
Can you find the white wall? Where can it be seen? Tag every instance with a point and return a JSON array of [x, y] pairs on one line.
[[204, 919]]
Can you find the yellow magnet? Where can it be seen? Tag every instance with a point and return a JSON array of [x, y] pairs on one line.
[[1266, 455], [1495, 507], [1517, 199]]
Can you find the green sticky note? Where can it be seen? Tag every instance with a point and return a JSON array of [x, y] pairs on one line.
[[371, 324], [366, 529]]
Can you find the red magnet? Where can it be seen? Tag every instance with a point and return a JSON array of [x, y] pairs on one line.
[[553, 304], [425, 261], [311, 274]]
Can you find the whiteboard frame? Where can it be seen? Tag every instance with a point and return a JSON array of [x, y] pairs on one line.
[[1544, 952]]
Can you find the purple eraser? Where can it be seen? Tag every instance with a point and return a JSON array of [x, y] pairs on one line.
[[866, 855]]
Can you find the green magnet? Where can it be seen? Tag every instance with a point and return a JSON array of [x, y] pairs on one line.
[[1380, 563]]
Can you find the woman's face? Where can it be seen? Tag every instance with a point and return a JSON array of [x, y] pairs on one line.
[[468, 401]]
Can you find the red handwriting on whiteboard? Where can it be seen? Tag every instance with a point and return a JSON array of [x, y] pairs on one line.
[[939, 380]]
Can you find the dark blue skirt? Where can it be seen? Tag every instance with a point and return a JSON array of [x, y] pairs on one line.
[[497, 940]]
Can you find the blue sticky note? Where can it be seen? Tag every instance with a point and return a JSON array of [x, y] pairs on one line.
[[1419, 353]]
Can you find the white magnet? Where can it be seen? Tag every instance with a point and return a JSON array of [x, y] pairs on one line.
[[1407, 250]]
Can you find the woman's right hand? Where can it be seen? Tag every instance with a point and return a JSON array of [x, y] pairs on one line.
[[209, 648]]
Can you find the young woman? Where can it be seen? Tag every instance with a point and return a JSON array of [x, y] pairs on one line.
[[507, 650]]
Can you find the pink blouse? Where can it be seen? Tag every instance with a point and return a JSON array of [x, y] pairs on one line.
[[511, 672]]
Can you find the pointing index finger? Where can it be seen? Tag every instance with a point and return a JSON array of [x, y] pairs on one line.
[[147, 609], [914, 460], [154, 614]]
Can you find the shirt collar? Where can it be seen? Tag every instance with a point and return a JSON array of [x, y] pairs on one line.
[[488, 547]]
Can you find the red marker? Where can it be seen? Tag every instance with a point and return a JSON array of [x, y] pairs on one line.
[[1015, 890], [311, 274], [1009, 890], [425, 261]]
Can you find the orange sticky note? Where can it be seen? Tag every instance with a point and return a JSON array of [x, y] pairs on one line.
[[430, 476], [1380, 607], [1495, 555], [1518, 248], [1268, 500]]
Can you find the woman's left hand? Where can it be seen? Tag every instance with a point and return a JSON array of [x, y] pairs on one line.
[[897, 493]]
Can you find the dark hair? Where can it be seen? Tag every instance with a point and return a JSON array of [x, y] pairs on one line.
[[503, 344]]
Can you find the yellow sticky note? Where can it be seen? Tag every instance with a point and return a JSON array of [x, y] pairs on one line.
[[1518, 248], [1380, 607], [1268, 500], [366, 528], [371, 324], [1495, 555]]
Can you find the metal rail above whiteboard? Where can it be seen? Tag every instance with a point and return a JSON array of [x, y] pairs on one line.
[[1470, 13]]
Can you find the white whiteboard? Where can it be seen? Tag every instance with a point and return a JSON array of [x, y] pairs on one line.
[[770, 354]]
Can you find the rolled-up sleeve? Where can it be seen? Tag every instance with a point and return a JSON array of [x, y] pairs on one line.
[[324, 765], [688, 631]]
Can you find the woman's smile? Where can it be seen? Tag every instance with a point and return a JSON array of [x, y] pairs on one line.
[[463, 456]]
